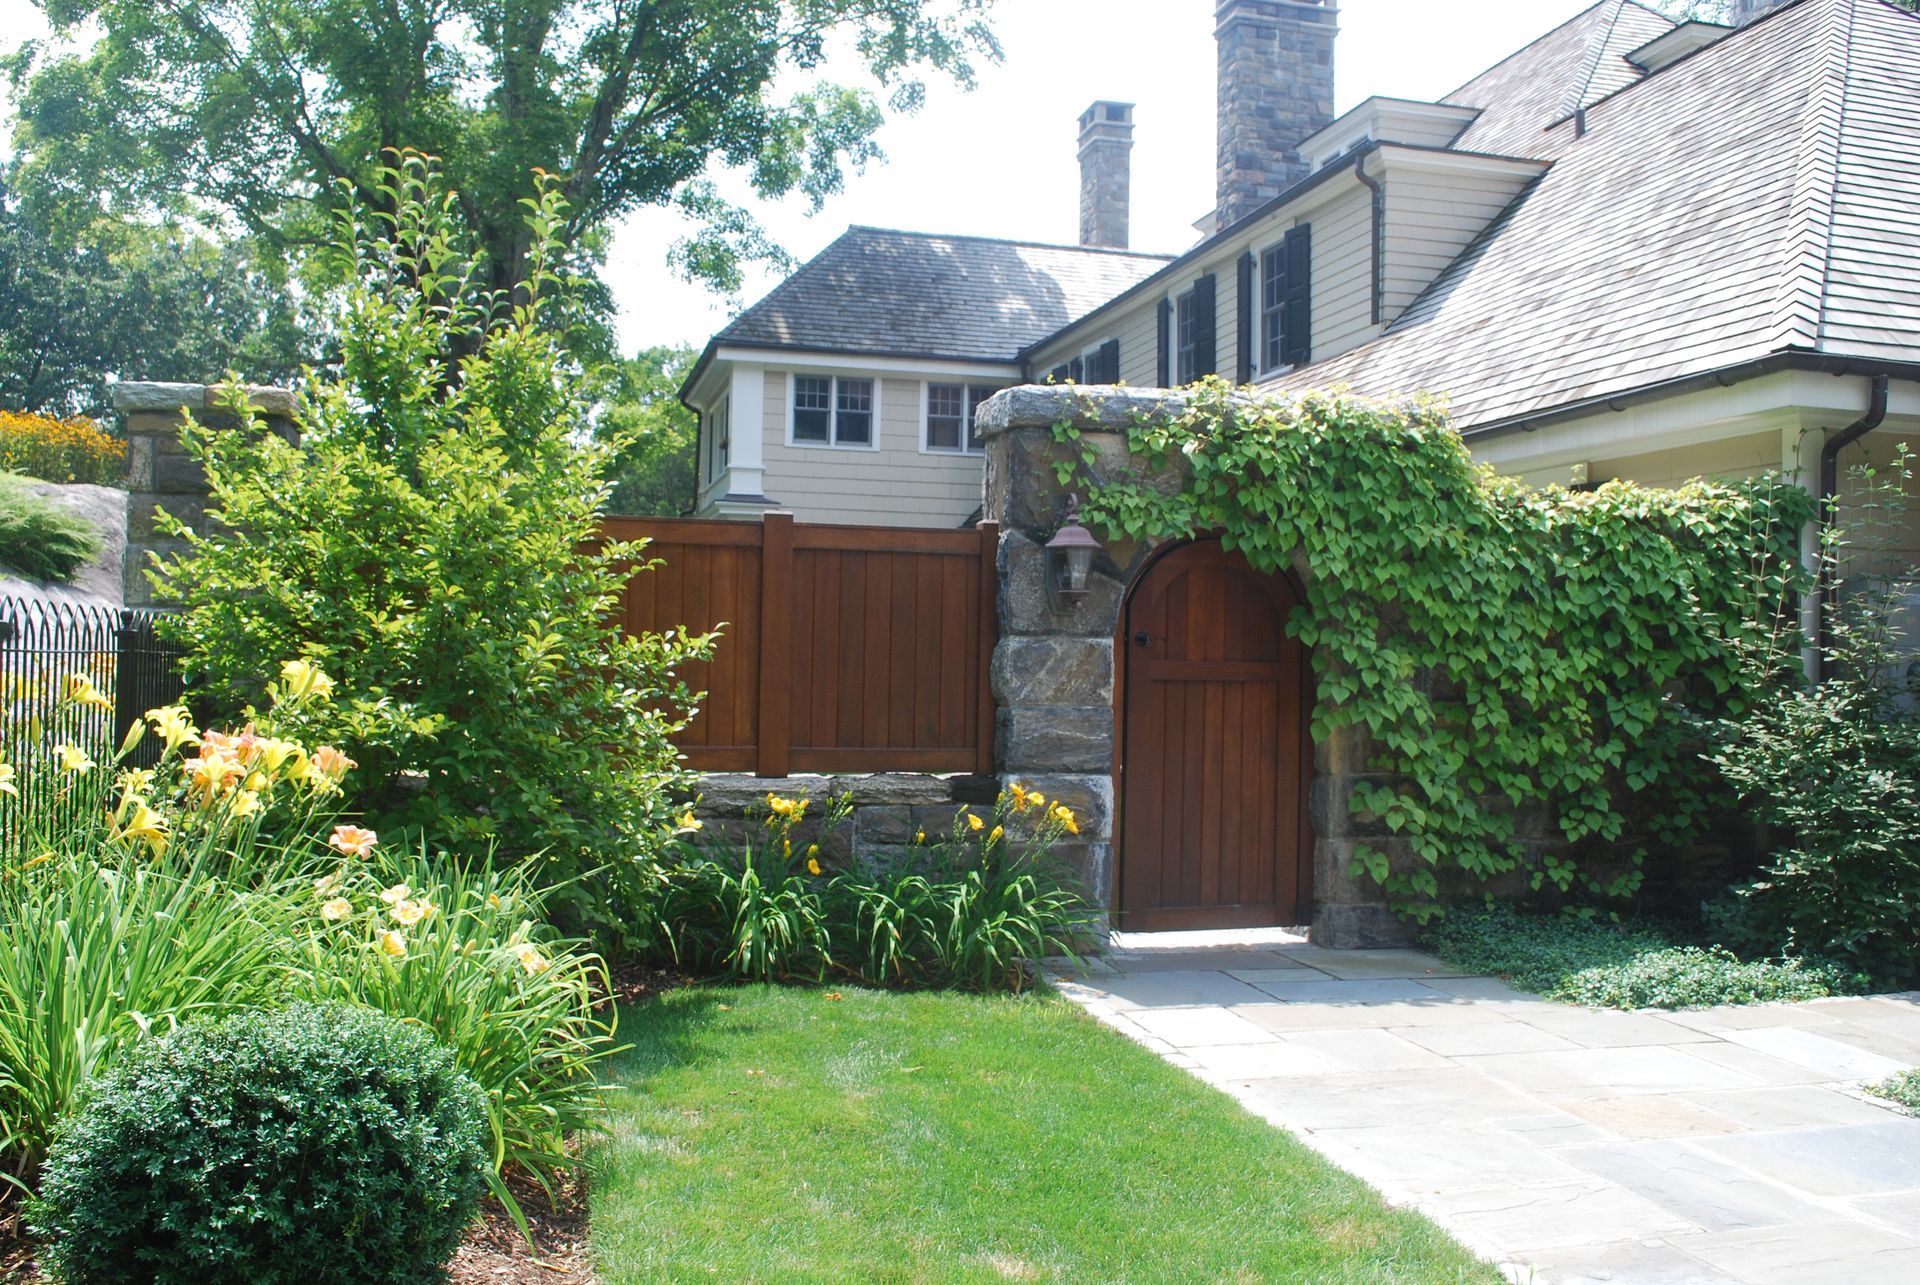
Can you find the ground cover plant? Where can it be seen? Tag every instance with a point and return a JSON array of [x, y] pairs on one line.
[[1594, 961], [767, 1134], [38, 537], [971, 909], [318, 1143], [432, 540], [1511, 652], [1903, 1089]]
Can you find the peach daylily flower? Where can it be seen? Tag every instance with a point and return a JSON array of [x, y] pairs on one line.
[[353, 841]]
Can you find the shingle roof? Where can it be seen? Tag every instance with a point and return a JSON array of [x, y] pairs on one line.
[[876, 290], [1758, 196], [1573, 66]]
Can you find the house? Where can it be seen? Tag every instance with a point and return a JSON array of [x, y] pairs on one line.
[[1634, 248]]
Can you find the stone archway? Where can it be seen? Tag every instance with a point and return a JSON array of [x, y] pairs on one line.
[[1054, 670]]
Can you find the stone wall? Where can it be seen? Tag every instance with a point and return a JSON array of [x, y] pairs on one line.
[[889, 810], [1053, 671], [160, 473]]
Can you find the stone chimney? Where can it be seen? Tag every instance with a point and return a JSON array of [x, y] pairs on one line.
[[1276, 87], [1106, 141], [1742, 12]]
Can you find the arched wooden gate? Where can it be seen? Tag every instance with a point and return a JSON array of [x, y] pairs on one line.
[[1215, 756]]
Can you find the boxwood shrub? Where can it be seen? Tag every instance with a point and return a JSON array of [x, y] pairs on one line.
[[318, 1144]]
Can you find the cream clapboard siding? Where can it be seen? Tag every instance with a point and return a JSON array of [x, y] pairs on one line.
[[1431, 218], [1342, 267], [1898, 550], [897, 484]]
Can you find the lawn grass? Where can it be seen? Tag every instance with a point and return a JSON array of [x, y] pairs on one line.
[[766, 1134]]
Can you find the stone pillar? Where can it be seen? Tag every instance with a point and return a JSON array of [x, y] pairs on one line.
[[160, 473], [1275, 88], [1106, 176]]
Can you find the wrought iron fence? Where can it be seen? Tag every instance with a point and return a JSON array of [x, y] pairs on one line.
[[47, 649]]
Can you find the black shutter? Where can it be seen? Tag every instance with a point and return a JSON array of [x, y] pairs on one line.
[[1243, 298], [1060, 374], [1297, 304], [1166, 342], [1109, 362], [1077, 370], [1205, 328]]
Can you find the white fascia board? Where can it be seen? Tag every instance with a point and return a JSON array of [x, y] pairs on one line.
[[1428, 160], [1791, 402], [1374, 117], [805, 359]]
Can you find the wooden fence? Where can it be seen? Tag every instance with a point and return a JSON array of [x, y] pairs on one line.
[[844, 648]]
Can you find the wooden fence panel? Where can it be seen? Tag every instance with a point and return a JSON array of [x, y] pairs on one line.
[[843, 648]]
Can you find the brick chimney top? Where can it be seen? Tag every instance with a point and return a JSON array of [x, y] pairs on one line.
[[1106, 180], [1276, 88]]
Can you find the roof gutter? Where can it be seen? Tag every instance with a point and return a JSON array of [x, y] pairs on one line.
[[1787, 359], [1830, 487], [1374, 185]]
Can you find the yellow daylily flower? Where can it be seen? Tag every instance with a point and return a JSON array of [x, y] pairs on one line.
[[407, 913], [175, 726], [975, 824], [1019, 793], [144, 825], [392, 944], [303, 680], [1064, 815], [395, 895], [813, 865], [74, 759], [995, 836], [686, 823], [79, 690], [336, 910]]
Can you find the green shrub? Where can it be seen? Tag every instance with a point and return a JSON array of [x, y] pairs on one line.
[[1834, 770], [461, 949], [975, 909], [1903, 1088], [39, 538], [318, 1144], [1613, 965], [431, 541]]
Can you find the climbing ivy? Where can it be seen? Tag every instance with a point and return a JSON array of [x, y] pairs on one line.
[[1510, 650]]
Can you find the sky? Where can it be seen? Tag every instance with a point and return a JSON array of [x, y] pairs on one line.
[[1002, 160]]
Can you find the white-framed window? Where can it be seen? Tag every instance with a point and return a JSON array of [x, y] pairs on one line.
[[832, 410], [1186, 337], [951, 409], [719, 437]]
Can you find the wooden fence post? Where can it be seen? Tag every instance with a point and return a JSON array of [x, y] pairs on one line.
[[989, 635], [773, 750]]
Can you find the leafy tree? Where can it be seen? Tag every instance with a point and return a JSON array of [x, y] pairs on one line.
[[431, 544], [653, 474], [273, 109], [135, 300]]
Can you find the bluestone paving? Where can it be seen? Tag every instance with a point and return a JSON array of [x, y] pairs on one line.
[[1723, 1146]]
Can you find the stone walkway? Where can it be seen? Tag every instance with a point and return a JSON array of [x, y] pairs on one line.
[[1567, 1144]]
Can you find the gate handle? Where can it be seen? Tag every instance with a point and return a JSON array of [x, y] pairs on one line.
[[1141, 639]]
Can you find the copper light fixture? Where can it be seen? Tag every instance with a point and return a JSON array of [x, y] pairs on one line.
[[1070, 560]]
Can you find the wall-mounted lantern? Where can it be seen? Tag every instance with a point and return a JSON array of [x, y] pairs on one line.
[[1070, 560]]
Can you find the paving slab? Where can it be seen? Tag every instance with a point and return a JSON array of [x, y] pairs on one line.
[[1570, 1145], [1845, 1160]]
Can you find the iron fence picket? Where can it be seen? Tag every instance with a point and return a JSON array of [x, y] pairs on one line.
[[42, 644]]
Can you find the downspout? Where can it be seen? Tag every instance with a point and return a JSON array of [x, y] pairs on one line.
[[1830, 486], [1379, 220]]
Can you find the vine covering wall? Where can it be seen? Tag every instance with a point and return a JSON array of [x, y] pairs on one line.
[[1510, 653]]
